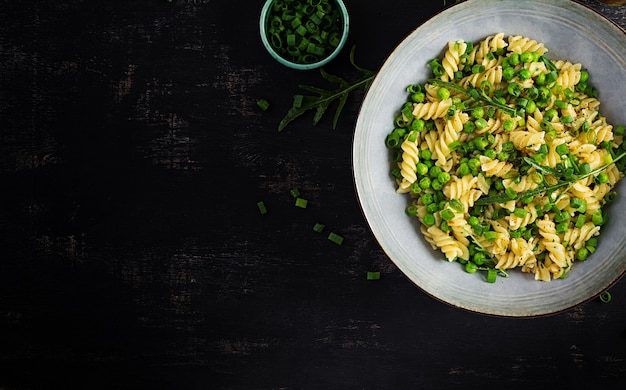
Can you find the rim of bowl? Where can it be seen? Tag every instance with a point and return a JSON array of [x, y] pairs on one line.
[[265, 12]]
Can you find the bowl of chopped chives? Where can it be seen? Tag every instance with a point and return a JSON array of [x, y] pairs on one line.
[[304, 34]]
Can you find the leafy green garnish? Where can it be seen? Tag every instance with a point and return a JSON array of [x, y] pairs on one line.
[[304, 103], [478, 95], [569, 181]]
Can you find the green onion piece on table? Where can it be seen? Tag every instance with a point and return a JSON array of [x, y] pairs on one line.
[[336, 238]]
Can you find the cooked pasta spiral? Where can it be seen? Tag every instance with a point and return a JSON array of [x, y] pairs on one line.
[[494, 167], [451, 58], [520, 44], [408, 165], [431, 110]]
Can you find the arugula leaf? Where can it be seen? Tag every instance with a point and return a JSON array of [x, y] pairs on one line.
[[476, 94], [321, 103], [542, 168]]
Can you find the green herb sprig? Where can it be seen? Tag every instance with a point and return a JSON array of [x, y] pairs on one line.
[[476, 95], [305, 103], [569, 181]]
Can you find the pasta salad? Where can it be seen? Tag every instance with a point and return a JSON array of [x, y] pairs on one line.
[[506, 158]]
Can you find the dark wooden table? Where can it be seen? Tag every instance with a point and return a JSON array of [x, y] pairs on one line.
[[132, 253]]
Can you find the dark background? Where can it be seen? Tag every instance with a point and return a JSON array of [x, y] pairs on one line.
[[132, 253]]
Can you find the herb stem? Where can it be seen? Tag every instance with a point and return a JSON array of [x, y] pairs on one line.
[[505, 197]]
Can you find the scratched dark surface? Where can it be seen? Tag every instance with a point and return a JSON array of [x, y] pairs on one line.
[[132, 254]]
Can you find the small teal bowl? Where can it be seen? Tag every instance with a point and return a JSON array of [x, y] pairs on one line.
[[263, 26]]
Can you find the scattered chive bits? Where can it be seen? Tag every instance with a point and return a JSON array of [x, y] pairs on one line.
[[294, 192], [261, 207], [373, 275], [336, 238], [304, 32], [263, 104], [302, 203], [605, 297], [318, 227]]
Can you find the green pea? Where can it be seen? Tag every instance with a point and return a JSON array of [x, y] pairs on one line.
[[540, 79], [479, 258], [508, 73], [425, 154], [471, 268], [469, 127], [582, 254], [418, 97], [447, 214], [443, 177], [508, 125], [478, 112], [464, 170], [418, 125], [526, 57], [422, 169], [524, 74], [435, 171], [443, 93], [481, 123], [427, 199]]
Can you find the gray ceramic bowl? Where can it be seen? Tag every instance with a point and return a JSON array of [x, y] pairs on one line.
[[266, 13], [570, 31]]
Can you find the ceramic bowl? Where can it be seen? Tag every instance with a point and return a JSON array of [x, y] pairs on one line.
[[265, 20], [570, 31]]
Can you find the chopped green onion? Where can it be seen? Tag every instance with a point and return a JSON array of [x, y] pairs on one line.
[[336, 238], [263, 104], [576, 203], [429, 219], [562, 149], [597, 218], [605, 297], [294, 192], [411, 210], [318, 227], [373, 275], [492, 274], [457, 205], [471, 268], [520, 213], [262, 208], [302, 203], [302, 32], [490, 236]]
